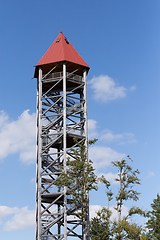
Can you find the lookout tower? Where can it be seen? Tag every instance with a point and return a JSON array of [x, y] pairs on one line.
[[61, 116]]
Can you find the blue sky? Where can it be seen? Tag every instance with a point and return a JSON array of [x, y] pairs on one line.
[[120, 41]]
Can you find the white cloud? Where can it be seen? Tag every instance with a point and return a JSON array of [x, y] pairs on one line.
[[95, 208], [92, 128], [115, 214], [106, 89], [133, 88], [33, 180], [3, 118], [150, 174], [110, 177], [23, 218], [18, 136], [109, 136], [5, 211], [123, 137], [92, 124], [102, 156]]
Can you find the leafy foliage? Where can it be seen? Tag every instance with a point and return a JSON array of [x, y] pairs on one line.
[[126, 230], [153, 223], [99, 226], [107, 184], [136, 210], [79, 178], [127, 178], [123, 228]]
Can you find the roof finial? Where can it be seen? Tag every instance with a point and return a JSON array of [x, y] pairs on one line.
[[60, 31]]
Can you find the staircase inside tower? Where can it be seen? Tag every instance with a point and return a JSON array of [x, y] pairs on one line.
[[52, 196]]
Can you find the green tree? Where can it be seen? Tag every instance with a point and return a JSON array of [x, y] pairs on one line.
[[144, 236], [107, 184], [123, 228], [153, 223], [109, 194], [99, 225], [79, 178], [128, 231], [127, 178]]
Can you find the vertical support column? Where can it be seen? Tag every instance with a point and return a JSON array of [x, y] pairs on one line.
[[37, 151], [86, 227], [64, 148], [39, 157], [85, 108], [58, 155]]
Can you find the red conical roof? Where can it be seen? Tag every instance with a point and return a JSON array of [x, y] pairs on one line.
[[62, 50]]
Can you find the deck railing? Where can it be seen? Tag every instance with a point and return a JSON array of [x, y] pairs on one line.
[[58, 75]]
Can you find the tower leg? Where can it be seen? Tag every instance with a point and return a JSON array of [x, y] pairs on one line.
[[39, 158], [86, 227], [64, 148]]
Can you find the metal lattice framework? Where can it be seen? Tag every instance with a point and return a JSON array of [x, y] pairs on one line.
[[61, 116]]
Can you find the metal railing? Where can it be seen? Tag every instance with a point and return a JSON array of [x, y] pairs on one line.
[[59, 75]]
